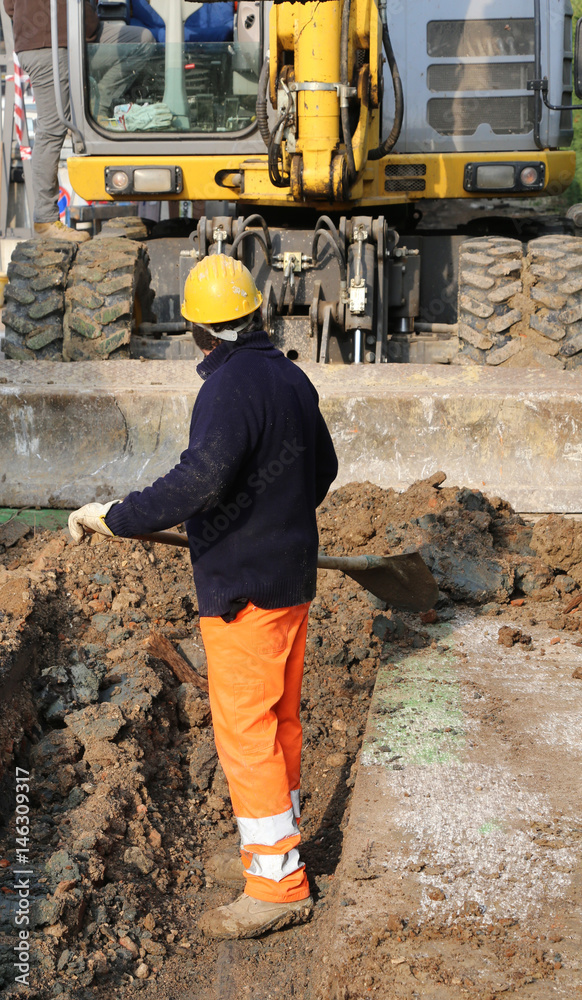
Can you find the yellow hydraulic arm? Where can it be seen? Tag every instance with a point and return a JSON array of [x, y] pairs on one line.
[[325, 60]]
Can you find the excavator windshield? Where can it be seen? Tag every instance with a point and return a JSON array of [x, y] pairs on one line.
[[177, 66]]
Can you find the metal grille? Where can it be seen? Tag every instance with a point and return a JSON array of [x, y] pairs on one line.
[[405, 169], [405, 184], [504, 37], [463, 115], [405, 177], [487, 76]]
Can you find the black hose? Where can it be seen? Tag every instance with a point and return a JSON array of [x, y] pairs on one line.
[[255, 235], [336, 251], [324, 222], [258, 218], [344, 110], [274, 154], [261, 106], [388, 145]]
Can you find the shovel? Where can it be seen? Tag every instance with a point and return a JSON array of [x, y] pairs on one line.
[[402, 581]]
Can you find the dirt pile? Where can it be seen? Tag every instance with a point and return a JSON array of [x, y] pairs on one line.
[[129, 804], [477, 547], [128, 801]]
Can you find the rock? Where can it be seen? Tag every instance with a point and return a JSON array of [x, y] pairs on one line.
[[192, 709], [129, 946], [102, 622], [195, 655], [155, 839], [202, 761], [98, 962], [435, 894], [136, 857], [16, 598], [47, 911], [149, 922], [336, 760], [125, 599], [60, 867], [508, 636], [12, 531], [577, 674], [142, 971], [134, 693], [56, 749], [97, 722], [153, 947], [86, 681]]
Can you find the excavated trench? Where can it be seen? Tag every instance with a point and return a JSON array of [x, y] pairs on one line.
[[113, 752]]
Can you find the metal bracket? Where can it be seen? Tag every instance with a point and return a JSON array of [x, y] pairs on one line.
[[541, 87], [358, 298], [341, 90]]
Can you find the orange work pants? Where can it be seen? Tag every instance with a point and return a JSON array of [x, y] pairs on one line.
[[255, 670]]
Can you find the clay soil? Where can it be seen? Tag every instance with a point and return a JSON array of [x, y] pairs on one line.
[[129, 804]]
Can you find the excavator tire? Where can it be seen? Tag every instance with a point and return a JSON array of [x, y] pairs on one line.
[[490, 285], [35, 299], [108, 295], [554, 276]]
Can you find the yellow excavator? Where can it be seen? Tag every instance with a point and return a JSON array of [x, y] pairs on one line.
[[304, 138]]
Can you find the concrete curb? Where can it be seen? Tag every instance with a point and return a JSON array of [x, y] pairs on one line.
[[73, 433]]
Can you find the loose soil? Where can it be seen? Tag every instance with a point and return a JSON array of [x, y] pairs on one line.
[[129, 803]]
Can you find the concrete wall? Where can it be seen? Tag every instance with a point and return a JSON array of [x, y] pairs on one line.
[[70, 433]]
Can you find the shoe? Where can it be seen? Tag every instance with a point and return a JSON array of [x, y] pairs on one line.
[[226, 869], [249, 918], [58, 231]]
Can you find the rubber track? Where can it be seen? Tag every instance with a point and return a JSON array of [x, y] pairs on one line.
[[35, 299], [555, 267], [108, 278], [490, 277]]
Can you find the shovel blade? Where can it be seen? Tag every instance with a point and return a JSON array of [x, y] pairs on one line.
[[405, 581]]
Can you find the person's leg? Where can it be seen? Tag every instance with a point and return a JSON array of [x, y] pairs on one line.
[[247, 664], [287, 709], [122, 51], [49, 132]]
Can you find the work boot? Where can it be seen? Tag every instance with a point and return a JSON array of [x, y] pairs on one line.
[[58, 231], [226, 869], [248, 917]]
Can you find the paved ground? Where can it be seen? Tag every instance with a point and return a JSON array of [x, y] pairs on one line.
[[461, 871]]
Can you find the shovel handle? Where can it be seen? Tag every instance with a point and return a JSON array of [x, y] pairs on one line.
[[345, 563]]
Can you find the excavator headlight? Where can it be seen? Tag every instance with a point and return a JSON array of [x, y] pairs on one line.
[[143, 180], [119, 180], [529, 177], [153, 179], [510, 177]]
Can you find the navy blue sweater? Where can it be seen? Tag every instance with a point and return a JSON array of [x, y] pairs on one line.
[[259, 461]]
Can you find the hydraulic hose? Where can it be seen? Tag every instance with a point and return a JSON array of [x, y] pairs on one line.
[[385, 147], [261, 107], [254, 235], [336, 252], [344, 109], [250, 219], [324, 222], [277, 180]]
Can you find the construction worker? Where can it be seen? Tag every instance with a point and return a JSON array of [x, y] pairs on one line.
[[259, 462]]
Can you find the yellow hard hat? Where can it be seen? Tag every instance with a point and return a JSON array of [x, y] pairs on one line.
[[218, 289]]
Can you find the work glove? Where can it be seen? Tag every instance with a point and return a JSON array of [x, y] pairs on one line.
[[89, 519], [143, 117]]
